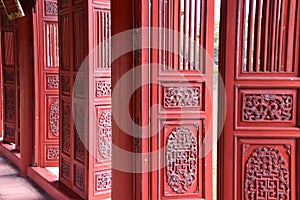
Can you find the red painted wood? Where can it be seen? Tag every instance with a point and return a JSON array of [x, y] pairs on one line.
[[85, 172], [47, 83], [25, 61], [123, 184], [260, 70], [10, 73]]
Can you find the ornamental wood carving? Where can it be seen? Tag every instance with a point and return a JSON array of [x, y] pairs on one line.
[[267, 107], [181, 159], [52, 82], [10, 104], [103, 88], [103, 180], [104, 135], [267, 175], [54, 117], [79, 179], [181, 97], [51, 8], [65, 169], [66, 143], [52, 152]]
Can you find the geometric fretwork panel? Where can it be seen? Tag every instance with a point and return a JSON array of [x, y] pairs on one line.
[[181, 158], [182, 166], [266, 175]]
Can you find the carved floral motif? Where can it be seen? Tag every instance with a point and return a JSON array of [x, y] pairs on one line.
[[51, 8], [181, 97], [54, 117], [103, 181], [79, 178], [104, 135], [65, 170], [267, 175], [9, 133], [103, 88], [267, 107], [65, 84], [79, 148], [181, 159], [53, 153], [66, 129], [10, 104], [53, 82]]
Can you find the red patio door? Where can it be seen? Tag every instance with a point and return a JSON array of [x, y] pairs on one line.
[[82, 26], [11, 89], [259, 61], [184, 94], [47, 83]]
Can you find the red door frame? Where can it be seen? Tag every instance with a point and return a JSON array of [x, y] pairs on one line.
[[248, 135]]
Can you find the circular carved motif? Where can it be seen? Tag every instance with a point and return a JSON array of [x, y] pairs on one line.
[[54, 117], [181, 159], [104, 135]]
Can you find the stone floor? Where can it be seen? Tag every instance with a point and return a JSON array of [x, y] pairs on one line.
[[14, 187]]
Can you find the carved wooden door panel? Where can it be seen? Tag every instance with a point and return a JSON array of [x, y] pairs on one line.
[[82, 26], [11, 90], [259, 61], [47, 82], [182, 88]]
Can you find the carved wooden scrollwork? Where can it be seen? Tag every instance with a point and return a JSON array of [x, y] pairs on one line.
[[267, 107], [103, 181], [181, 160], [267, 175], [104, 135], [54, 117], [181, 97]]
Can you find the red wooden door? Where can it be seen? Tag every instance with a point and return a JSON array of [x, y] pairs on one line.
[[47, 82], [183, 91], [82, 26], [11, 82], [259, 61]]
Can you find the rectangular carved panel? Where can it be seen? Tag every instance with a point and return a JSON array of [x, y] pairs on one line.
[[182, 165], [66, 119], [52, 153], [50, 8], [267, 107], [52, 82], [52, 117], [181, 97], [104, 135], [103, 182], [65, 169], [8, 75], [267, 169]]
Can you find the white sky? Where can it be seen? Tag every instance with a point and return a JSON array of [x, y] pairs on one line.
[[217, 9]]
